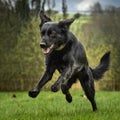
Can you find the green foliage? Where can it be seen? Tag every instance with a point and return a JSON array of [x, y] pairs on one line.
[[27, 53], [22, 59], [101, 35], [51, 106]]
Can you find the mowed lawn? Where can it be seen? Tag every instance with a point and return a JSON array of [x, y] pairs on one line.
[[53, 106]]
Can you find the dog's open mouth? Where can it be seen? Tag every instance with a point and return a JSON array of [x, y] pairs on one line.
[[48, 49]]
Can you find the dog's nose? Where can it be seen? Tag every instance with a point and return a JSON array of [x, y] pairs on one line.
[[43, 45]]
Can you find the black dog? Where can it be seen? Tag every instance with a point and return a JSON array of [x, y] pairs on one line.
[[64, 53]]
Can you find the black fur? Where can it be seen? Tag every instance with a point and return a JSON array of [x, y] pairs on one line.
[[66, 54], [99, 71]]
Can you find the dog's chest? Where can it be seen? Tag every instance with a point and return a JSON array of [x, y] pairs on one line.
[[59, 62]]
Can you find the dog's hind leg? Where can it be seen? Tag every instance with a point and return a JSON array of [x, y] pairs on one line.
[[65, 89], [86, 80]]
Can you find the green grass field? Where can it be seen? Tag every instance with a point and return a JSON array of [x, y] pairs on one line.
[[53, 106]]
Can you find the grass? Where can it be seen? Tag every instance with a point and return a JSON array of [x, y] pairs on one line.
[[52, 106]]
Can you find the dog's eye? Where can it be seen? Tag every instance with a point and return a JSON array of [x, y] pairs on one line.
[[53, 33]]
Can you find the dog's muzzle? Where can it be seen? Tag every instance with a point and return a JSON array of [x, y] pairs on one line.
[[43, 45], [46, 49]]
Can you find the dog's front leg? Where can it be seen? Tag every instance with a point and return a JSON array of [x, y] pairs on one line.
[[62, 80], [45, 78]]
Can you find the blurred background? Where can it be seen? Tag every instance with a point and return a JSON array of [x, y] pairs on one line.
[[97, 26]]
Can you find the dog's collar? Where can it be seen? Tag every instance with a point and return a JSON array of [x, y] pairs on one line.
[[61, 47]]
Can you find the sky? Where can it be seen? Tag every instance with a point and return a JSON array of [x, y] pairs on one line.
[[75, 6]]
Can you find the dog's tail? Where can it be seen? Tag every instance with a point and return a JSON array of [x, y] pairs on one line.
[[99, 71]]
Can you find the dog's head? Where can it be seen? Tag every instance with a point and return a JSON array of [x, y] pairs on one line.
[[53, 35]]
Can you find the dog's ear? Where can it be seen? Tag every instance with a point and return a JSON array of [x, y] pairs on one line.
[[65, 24], [43, 18]]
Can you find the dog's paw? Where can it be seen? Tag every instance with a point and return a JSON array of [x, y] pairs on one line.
[[69, 98], [55, 88], [33, 94]]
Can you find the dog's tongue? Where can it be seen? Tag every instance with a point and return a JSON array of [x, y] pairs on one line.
[[46, 50]]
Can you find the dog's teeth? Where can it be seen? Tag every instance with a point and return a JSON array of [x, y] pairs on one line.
[[51, 46], [47, 50]]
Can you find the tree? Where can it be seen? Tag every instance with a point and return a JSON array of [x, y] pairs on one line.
[[22, 9], [64, 8], [96, 9], [40, 5], [37, 5]]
